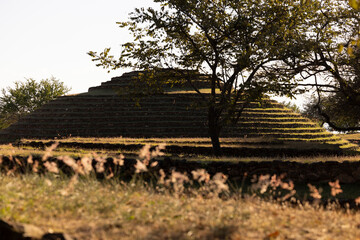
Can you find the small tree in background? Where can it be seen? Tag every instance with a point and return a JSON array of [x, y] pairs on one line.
[[27, 96]]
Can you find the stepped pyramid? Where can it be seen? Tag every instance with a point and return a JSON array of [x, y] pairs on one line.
[[103, 112]]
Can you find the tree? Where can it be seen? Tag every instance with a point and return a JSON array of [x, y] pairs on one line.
[[343, 115], [241, 44], [334, 66], [27, 96]]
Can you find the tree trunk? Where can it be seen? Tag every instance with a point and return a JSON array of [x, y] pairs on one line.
[[214, 131]]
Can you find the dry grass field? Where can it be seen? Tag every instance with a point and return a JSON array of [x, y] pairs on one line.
[[169, 205], [111, 210]]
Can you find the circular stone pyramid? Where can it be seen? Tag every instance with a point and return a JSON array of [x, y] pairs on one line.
[[105, 111]]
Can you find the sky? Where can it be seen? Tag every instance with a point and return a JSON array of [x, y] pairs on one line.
[[44, 38]]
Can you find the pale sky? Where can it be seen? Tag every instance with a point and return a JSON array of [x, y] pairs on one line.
[[44, 38]]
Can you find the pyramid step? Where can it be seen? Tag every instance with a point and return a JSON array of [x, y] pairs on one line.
[[106, 130], [154, 99], [168, 115], [119, 102], [118, 115], [163, 133], [279, 130], [112, 98], [154, 115], [267, 110], [280, 119], [120, 108], [148, 103], [100, 125], [73, 117], [159, 124], [112, 118], [170, 110], [320, 139], [295, 135], [283, 125], [269, 114], [155, 120]]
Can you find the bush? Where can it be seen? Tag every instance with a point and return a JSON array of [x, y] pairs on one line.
[[27, 96]]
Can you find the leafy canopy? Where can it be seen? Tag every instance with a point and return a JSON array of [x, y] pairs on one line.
[[245, 46], [334, 66], [238, 41], [27, 96]]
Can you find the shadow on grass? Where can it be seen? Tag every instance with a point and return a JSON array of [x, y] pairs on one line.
[[222, 232]]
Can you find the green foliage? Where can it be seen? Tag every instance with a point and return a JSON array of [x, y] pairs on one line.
[[292, 106], [354, 4], [245, 46], [344, 114], [27, 96], [335, 64], [235, 41]]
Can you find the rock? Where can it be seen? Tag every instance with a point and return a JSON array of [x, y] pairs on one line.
[[15, 231]]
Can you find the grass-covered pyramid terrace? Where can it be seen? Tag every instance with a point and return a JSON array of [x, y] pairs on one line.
[[174, 116]]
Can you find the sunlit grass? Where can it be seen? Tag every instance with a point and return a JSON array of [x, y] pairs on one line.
[[107, 210], [173, 208], [270, 159], [351, 136], [131, 145]]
